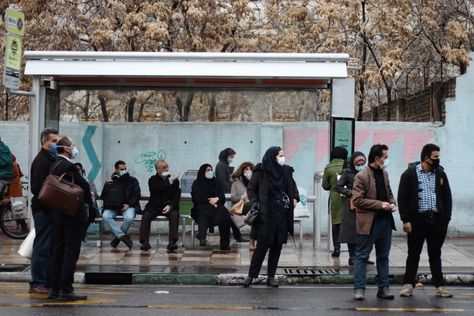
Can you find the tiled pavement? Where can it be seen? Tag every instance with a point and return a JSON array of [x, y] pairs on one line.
[[458, 253]]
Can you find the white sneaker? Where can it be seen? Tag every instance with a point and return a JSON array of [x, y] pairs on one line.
[[442, 291], [407, 290]]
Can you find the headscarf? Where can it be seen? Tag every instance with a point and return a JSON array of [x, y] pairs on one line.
[[223, 155], [357, 155], [272, 167], [204, 185]]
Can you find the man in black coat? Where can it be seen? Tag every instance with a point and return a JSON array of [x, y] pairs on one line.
[[425, 204], [164, 201], [68, 230], [43, 217], [121, 196]]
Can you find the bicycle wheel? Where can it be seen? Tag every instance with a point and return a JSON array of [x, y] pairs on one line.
[[13, 228]]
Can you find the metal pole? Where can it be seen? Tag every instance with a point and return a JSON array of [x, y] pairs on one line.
[[317, 177]]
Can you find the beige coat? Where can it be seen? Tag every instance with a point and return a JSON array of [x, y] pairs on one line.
[[364, 196]]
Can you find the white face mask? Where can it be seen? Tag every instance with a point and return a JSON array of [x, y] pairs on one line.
[[209, 174], [385, 165], [74, 153], [248, 174], [165, 173], [229, 160], [281, 160]]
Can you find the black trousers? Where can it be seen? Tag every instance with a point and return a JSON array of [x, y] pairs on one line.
[[211, 216], [66, 250], [335, 236], [434, 231], [259, 256], [149, 215]]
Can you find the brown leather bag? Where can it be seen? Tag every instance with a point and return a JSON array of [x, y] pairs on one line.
[[61, 195]]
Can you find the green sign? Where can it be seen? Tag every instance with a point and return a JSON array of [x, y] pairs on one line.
[[15, 22], [342, 133], [13, 52]]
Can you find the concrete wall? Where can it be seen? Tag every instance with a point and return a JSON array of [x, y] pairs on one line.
[[188, 145]]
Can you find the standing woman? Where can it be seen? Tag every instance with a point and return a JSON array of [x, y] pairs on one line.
[[238, 192], [348, 232], [273, 187], [209, 210]]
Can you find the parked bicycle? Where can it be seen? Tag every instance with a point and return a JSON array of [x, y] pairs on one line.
[[13, 218]]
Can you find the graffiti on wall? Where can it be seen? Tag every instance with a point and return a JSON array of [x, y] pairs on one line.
[[297, 141], [149, 158]]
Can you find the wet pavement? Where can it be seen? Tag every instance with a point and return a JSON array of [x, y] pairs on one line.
[[457, 255]]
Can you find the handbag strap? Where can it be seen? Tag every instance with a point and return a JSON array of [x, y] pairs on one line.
[[55, 165]]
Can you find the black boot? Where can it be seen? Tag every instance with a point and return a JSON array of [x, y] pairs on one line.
[[247, 282], [272, 282], [384, 293]]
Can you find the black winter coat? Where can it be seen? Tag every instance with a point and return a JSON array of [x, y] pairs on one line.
[[163, 193], [60, 166], [131, 192], [258, 191], [38, 173], [347, 232], [408, 194], [200, 196]]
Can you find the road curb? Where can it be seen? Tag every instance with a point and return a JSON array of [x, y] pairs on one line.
[[237, 279], [174, 278], [25, 276]]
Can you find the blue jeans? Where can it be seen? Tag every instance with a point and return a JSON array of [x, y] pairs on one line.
[[128, 217], [381, 236], [42, 247]]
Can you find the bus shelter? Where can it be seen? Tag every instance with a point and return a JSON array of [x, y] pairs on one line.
[[52, 71]]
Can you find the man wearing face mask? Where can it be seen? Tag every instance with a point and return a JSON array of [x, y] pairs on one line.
[[120, 196], [223, 176], [374, 202], [43, 217], [68, 230], [164, 201], [424, 199]]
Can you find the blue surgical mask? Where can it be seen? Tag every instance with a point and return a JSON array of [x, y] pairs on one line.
[[53, 149], [122, 172], [359, 168]]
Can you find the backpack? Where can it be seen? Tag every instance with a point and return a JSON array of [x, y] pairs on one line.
[[114, 195], [6, 162]]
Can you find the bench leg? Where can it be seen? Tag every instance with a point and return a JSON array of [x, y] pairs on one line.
[[101, 231], [301, 235], [192, 232], [183, 230]]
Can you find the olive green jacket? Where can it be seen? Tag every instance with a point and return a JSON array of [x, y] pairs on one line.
[[331, 173]]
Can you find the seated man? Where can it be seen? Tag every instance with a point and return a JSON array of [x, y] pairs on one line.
[[121, 196], [164, 201]]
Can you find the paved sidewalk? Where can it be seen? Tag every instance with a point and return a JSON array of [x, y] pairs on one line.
[[98, 263]]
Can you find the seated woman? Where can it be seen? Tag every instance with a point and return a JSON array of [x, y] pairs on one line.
[[209, 209], [240, 180]]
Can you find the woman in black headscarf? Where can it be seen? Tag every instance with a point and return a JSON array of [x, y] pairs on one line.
[[344, 185], [273, 187], [209, 210]]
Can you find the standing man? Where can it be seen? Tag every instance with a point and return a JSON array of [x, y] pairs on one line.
[[374, 202], [68, 230], [424, 199], [43, 217], [121, 196], [164, 201]]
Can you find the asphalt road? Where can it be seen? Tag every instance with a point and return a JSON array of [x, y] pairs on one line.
[[134, 300]]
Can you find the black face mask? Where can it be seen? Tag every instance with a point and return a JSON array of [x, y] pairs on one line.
[[435, 163]]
